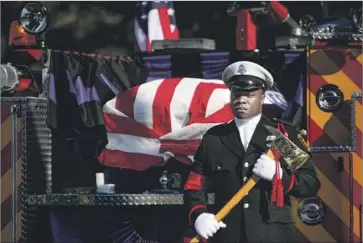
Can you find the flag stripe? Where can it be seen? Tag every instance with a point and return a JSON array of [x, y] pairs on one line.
[[117, 124], [214, 104], [148, 44], [192, 109], [162, 116], [124, 102], [126, 160], [165, 23], [155, 20], [154, 24], [275, 98], [194, 131], [144, 103], [198, 112], [139, 35], [133, 144], [152, 146], [169, 115], [172, 110], [185, 147], [224, 113]]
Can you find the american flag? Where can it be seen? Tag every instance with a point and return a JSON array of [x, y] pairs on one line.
[[276, 98], [155, 20], [164, 116]]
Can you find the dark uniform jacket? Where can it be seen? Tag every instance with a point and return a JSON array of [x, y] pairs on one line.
[[221, 160]]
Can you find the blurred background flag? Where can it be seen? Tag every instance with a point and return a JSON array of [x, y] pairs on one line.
[[154, 20], [295, 107]]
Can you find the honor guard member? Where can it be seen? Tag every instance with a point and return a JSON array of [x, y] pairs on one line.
[[231, 153]]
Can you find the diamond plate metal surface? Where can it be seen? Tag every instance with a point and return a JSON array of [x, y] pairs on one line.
[[36, 161], [36, 157], [354, 96], [329, 36], [102, 200]]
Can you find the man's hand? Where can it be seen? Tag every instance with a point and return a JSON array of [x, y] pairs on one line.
[[266, 168], [206, 225]]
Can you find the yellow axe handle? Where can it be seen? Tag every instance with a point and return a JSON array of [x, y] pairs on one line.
[[235, 199]]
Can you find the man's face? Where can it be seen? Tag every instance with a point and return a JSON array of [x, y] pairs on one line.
[[246, 104]]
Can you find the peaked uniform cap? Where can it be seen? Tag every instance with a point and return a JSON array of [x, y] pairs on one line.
[[245, 75]]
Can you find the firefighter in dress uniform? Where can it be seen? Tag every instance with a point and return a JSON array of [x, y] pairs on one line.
[[231, 153]]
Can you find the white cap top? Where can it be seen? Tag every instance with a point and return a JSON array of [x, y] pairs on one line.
[[246, 68]]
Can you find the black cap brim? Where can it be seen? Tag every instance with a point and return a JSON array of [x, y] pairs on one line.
[[245, 88], [247, 83]]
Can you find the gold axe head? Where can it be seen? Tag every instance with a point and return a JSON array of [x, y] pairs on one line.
[[293, 156]]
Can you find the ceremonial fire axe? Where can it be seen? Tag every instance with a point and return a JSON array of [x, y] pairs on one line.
[[292, 155]]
